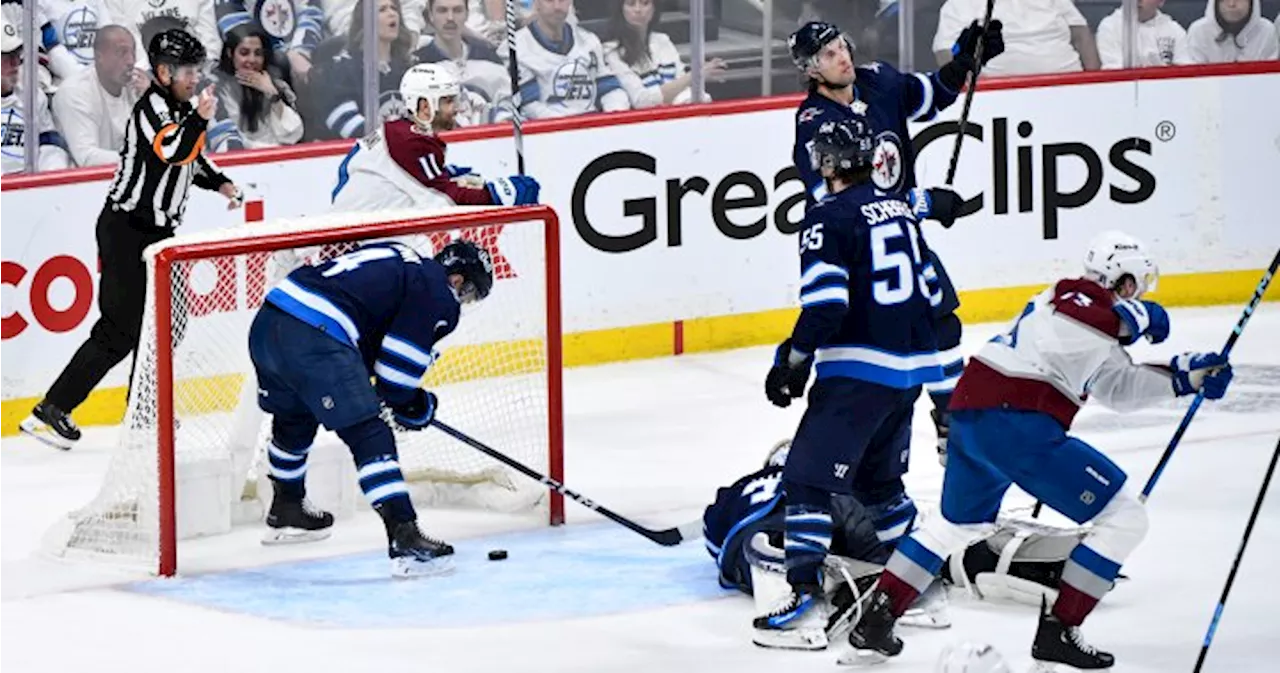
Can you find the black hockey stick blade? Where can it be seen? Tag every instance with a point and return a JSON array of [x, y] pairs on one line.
[[1258, 294], [968, 100], [668, 537]]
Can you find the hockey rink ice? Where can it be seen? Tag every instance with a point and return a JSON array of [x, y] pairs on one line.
[[652, 440]]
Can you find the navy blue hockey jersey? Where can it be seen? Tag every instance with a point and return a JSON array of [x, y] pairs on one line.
[[887, 99], [382, 300], [867, 289]]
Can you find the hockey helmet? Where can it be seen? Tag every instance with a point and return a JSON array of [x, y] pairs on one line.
[[175, 47], [971, 658], [431, 81], [1113, 255], [473, 263], [847, 144], [778, 454], [805, 44]]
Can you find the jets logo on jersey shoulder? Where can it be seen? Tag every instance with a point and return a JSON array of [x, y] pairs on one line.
[[886, 163], [808, 114], [575, 80]]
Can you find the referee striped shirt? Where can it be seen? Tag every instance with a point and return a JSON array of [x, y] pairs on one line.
[[163, 155]]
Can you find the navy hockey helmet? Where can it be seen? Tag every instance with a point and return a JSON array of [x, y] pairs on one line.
[[473, 263], [805, 44], [845, 145], [175, 47]]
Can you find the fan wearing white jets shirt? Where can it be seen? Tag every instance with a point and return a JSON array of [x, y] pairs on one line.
[[196, 16], [563, 71]]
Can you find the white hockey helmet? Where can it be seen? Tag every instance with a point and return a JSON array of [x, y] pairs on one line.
[[1113, 255], [970, 658], [430, 81], [778, 454]]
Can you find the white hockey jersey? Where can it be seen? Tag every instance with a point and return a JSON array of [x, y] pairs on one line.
[[1160, 41], [76, 23], [399, 166], [568, 77], [1063, 349], [14, 127], [1207, 42], [643, 81]]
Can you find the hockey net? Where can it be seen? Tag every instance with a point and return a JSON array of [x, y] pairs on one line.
[[190, 460]]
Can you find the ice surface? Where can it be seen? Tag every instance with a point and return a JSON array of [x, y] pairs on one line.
[[653, 440]]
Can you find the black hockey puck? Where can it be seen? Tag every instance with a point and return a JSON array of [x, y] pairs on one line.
[[498, 555]]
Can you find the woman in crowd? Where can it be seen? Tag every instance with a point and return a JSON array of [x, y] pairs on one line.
[[645, 61], [1232, 31], [255, 106], [340, 102]]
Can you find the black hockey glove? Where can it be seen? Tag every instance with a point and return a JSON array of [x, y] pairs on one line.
[[785, 380], [964, 53], [944, 205], [417, 413]]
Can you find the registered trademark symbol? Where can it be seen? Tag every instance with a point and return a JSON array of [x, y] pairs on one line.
[[1165, 131]]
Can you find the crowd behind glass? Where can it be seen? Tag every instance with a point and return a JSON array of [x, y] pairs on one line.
[[293, 71]]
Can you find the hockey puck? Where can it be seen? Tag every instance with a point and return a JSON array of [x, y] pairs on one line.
[[498, 555]]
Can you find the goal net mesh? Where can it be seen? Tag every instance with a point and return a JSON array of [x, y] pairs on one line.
[[492, 377]]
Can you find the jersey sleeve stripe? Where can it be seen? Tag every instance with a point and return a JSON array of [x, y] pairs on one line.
[[394, 376], [926, 98], [408, 351], [314, 310], [819, 270], [826, 295]]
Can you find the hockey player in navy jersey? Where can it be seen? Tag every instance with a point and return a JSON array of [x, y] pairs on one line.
[[1010, 416], [866, 326], [887, 100], [319, 337]]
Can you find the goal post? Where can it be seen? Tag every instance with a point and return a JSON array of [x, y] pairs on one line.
[[499, 377]]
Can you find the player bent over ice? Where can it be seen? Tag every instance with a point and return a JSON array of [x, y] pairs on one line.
[[1010, 414], [867, 323], [319, 337]]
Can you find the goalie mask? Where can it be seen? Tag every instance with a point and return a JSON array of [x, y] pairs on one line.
[[473, 263], [430, 82], [1113, 255]]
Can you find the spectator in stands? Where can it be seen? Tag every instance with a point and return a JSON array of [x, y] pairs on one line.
[[338, 13], [256, 108], [56, 62], [473, 61], [562, 66], [295, 28], [13, 124], [1232, 31], [92, 108], [341, 101], [646, 61], [1040, 36], [1160, 40], [194, 16]]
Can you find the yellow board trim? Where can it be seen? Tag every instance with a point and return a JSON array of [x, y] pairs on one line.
[[106, 406]]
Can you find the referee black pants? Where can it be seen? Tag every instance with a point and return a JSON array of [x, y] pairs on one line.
[[122, 292]]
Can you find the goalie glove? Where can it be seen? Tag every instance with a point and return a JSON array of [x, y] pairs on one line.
[[1196, 372], [788, 376], [417, 413]]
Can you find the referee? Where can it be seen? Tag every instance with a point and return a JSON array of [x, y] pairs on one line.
[[163, 155]]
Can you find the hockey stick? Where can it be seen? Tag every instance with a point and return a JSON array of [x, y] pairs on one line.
[[668, 537], [513, 71], [968, 98], [1226, 350], [1235, 565]]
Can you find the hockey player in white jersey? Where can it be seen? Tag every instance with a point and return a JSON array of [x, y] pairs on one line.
[[403, 165], [1010, 416], [563, 71]]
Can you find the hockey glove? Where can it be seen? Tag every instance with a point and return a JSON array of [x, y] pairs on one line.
[[1195, 372], [517, 190], [417, 413], [964, 53], [1142, 318], [936, 203], [458, 171], [788, 376]]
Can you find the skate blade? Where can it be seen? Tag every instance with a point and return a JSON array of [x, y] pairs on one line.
[[1050, 667], [284, 536], [34, 428], [925, 619], [861, 658], [811, 639], [405, 568]]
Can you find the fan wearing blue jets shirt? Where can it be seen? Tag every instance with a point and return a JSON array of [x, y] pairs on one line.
[[867, 327], [887, 100], [323, 332]]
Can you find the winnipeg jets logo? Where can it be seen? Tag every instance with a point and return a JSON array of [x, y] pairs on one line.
[[886, 162], [575, 81], [79, 29], [276, 16]]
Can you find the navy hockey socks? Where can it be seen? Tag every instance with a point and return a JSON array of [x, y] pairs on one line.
[[808, 533], [374, 449], [289, 469]]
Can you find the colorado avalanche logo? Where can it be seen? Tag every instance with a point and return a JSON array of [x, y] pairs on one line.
[[886, 162], [277, 18]]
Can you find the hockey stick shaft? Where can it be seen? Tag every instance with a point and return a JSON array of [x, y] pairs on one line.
[[513, 71], [1258, 293], [1235, 565], [667, 537], [968, 98]]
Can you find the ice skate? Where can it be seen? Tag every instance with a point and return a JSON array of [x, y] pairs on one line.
[[872, 637], [1057, 643], [292, 520], [414, 554], [797, 622], [52, 426]]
